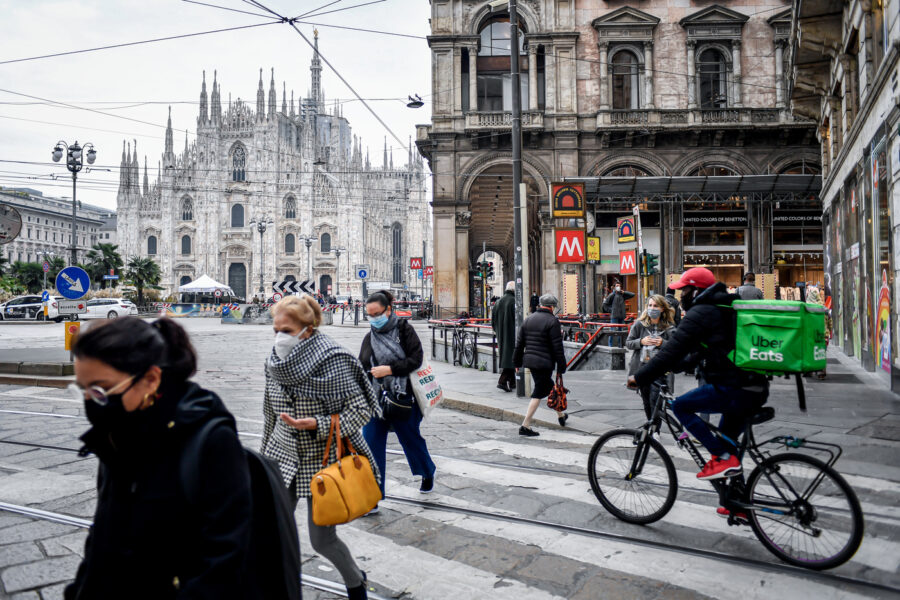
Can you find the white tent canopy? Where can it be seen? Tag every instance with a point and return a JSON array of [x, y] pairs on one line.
[[205, 285]]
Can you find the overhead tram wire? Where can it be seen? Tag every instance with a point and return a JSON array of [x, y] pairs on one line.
[[237, 10], [328, 12]]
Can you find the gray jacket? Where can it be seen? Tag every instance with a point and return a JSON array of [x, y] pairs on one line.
[[615, 304], [749, 292], [637, 333]]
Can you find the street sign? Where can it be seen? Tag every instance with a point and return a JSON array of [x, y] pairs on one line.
[[362, 274], [625, 227], [567, 200], [45, 296], [379, 285], [46, 267], [569, 245], [415, 262], [277, 296], [110, 277], [72, 307], [10, 224], [429, 271], [593, 250], [217, 293], [306, 286], [73, 282], [627, 263]]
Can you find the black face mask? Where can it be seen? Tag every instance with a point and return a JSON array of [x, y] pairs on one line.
[[112, 415], [688, 295]]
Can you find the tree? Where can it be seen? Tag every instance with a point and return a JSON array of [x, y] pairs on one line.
[[143, 273], [29, 274], [102, 258], [57, 264], [3, 264]]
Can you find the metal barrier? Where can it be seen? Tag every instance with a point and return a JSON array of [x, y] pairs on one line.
[[469, 339], [581, 328]]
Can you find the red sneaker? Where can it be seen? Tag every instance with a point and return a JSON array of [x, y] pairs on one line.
[[724, 512], [717, 468]]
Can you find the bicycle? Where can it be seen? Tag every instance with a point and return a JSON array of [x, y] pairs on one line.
[[463, 346], [798, 506]]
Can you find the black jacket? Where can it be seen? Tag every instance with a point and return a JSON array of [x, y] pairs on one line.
[[676, 306], [704, 336], [503, 321], [409, 339], [146, 541], [539, 343], [615, 304]]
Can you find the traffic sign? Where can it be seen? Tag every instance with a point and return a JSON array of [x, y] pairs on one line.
[[429, 270], [415, 262], [72, 307], [362, 274], [306, 286], [46, 267], [569, 245], [110, 277], [45, 296], [277, 296], [217, 293], [73, 282], [627, 263]]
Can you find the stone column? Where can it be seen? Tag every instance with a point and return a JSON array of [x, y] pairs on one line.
[[473, 77], [691, 78], [779, 73], [648, 74], [736, 71], [604, 76], [457, 76], [532, 77]]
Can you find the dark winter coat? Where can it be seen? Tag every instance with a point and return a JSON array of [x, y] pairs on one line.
[[705, 337], [146, 541], [615, 304], [503, 321], [539, 343], [676, 306], [412, 346]]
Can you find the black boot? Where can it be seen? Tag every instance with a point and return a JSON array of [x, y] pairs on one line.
[[358, 592]]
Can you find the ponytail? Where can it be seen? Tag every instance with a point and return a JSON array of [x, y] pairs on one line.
[[180, 361]]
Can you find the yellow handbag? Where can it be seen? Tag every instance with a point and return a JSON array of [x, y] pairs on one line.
[[346, 489]]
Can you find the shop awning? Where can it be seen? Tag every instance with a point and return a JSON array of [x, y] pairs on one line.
[[804, 187]]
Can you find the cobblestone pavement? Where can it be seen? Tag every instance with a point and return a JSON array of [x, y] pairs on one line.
[[415, 551]]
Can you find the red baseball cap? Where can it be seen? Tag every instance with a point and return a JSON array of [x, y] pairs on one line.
[[699, 277]]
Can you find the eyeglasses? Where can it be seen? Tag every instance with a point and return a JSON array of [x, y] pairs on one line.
[[97, 393]]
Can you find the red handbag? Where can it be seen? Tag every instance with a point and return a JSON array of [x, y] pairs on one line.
[[557, 398]]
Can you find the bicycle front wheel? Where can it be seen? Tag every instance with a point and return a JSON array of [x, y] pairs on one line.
[[639, 495], [804, 512], [468, 351]]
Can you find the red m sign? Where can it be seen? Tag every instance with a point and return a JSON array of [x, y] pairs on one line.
[[569, 245], [627, 264], [415, 262]]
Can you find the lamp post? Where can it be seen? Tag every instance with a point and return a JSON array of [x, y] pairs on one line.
[[74, 162], [262, 223], [337, 270], [308, 240]]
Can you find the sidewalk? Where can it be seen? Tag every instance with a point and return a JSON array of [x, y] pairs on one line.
[[851, 407]]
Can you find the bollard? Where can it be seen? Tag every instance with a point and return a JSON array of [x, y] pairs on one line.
[[356, 314]]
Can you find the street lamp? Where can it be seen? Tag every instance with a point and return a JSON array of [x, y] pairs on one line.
[[308, 240], [337, 270], [262, 223], [74, 162]]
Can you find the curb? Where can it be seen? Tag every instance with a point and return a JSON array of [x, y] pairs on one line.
[[37, 381], [492, 412]]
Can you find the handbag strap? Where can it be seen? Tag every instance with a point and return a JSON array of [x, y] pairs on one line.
[[559, 380], [333, 432]]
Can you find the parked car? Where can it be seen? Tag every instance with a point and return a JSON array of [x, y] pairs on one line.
[[109, 308], [22, 308]]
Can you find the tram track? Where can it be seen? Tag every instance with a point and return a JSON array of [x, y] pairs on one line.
[[431, 505]]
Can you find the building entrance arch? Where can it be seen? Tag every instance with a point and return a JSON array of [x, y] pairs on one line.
[[237, 279]]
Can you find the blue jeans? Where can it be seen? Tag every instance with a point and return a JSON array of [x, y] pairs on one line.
[[376, 432], [734, 404], [614, 321]]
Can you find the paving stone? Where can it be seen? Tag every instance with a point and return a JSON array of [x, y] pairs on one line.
[[496, 555], [25, 596], [41, 573], [16, 554], [53, 592], [34, 530], [610, 584], [8, 520], [546, 570], [72, 543]]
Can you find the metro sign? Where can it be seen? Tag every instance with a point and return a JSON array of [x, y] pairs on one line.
[[627, 263], [415, 262], [429, 271], [569, 245]]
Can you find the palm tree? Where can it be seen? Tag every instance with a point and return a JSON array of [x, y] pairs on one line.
[[143, 273], [102, 258], [57, 264], [29, 274]]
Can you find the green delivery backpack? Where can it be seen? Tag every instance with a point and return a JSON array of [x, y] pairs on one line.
[[779, 337]]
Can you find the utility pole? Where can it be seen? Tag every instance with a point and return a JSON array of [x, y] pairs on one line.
[[516, 173]]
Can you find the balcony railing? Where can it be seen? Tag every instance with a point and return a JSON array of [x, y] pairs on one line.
[[721, 115], [629, 117], [502, 120], [668, 118]]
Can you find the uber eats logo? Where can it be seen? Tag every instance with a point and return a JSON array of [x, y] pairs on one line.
[[765, 349], [819, 353]]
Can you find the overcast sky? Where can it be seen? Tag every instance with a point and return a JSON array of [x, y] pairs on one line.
[[140, 82]]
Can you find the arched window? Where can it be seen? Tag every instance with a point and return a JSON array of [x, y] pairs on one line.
[[495, 37], [238, 164], [494, 85], [186, 279], [712, 70], [396, 253], [325, 243], [289, 243], [290, 208], [713, 170], [151, 244], [185, 244], [237, 215], [626, 171], [803, 168], [187, 210], [625, 81]]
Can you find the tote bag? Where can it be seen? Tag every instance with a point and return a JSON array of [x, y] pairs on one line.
[[426, 388]]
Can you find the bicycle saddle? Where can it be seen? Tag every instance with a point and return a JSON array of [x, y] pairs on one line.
[[766, 413]]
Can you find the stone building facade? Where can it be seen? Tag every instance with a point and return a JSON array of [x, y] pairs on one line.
[[843, 64], [615, 89], [295, 166]]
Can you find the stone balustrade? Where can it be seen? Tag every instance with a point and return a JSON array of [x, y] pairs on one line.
[[666, 119], [484, 121]]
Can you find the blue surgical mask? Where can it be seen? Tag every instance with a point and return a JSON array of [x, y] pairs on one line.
[[378, 322]]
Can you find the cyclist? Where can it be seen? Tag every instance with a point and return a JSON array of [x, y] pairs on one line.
[[705, 337]]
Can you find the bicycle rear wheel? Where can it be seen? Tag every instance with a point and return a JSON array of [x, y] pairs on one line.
[[642, 498], [805, 513], [467, 359]]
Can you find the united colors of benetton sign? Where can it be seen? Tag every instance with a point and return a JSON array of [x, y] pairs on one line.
[[569, 244], [567, 200]]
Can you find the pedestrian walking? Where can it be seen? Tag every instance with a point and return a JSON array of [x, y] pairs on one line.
[[147, 540], [673, 302], [534, 302], [310, 377], [614, 304], [390, 352], [539, 347], [503, 320], [648, 334], [749, 291]]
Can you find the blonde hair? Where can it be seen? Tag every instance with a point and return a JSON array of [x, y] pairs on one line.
[[303, 310], [668, 313]]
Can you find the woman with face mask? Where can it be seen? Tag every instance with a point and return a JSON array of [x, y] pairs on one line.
[[310, 377], [390, 352], [148, 540], [647, 335]]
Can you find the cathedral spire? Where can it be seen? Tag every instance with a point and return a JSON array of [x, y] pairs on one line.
[[316, 70], [384, 162], [146, 178], [169, 153], [260, 100], [203, 108], [284, 98], [292, 103], [170, 147], [123, 174], [135, 170], [185, 147], [216, 108], [273, 97]]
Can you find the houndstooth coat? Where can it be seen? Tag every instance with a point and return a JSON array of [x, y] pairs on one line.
[[317, 379]]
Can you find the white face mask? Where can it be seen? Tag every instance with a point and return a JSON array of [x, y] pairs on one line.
[[285, 342]]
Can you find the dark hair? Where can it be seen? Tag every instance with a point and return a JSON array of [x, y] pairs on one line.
[[382, 297], [131, 345], [749, 276], [670, 291]]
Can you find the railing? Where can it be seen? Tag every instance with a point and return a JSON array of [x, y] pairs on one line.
[[629, 117], [503, 120], [465, 340], [640, 118], [720, 116]]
